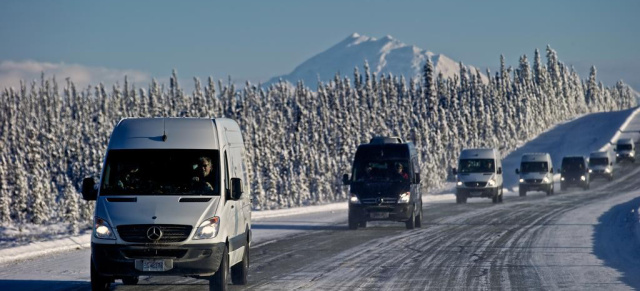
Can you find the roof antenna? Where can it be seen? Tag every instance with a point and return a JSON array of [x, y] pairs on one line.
[[164, 131]]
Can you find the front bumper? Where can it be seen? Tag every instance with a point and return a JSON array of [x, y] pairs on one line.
[[397, 212], [188, 260], [487, 192], [625, 157], [535, 186], [574, 182], [600, 174]]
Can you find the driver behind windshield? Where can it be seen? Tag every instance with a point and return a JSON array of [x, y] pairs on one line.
[[203, 176], [399, 173]]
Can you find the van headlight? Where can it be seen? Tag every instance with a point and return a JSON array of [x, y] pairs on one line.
[[607, 170], [631, 154], [521, 180], [459, 183], [545, 180], [491, 183], [208, 228], [102, 229], [590, 171], [583, 178], [561, 178], [354, 199], [404, 198]]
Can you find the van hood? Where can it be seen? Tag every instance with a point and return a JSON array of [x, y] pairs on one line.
[[165, 209], [373, 189], [475, 177]]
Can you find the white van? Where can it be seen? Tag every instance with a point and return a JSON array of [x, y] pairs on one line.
[[536, 173], [479, 174], [625, 150], [173, 200], [601, 165]]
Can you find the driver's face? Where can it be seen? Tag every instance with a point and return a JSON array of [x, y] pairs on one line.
[[204, 168]]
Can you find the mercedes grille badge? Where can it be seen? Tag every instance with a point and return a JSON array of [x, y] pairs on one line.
[[154, 233]]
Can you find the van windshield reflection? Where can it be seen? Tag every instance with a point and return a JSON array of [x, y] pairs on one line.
[[477, 166], [161, 172]]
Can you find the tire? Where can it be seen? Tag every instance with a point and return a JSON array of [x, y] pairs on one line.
[[522, 192], [98, 283], [130, 280], [461, 198], [411, 222], [419, 218], [353, 224], [239, 272], [495, 196], [363, 224], [219, 280], [501, 195], [563, 187]]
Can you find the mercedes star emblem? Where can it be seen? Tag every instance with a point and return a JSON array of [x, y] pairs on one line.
[[154, 233]]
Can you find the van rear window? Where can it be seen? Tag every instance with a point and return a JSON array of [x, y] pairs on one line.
[[161, 172]]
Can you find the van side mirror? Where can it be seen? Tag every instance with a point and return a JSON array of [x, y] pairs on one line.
[[236, 188], [454, 171], [499, 170], [417, 180], [517, 171], [89, 191], [345, 179]]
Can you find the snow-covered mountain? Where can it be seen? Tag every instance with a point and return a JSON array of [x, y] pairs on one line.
[[385, 56]]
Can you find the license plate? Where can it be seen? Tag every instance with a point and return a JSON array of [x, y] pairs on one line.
[[151, 265], [475, 193], [379, 215]]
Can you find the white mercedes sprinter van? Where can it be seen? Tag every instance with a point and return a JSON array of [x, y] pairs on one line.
[[536, 173], [601, 165], [479, 174], [173, 200], [625, 150]]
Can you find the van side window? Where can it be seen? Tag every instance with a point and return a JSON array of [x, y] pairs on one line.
[[226, 172]]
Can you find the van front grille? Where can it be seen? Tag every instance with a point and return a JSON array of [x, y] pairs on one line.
[[138, 233], [475, 184], [377, 201], [533, 181]]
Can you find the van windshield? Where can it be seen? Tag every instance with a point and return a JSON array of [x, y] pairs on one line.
[[598, 162], [381, 170], [572, 164], [161, 172], [477, 166], [534, 167], [624, 147]]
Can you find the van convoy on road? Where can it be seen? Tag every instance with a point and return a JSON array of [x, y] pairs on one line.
[[536, 173], [174, 200], [479, 174], [385, 183]]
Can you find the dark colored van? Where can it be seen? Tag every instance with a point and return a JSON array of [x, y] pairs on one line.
[[574, 172], [385, 183]]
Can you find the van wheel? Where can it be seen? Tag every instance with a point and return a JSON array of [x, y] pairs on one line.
[[363, 224], [461, 198], [219, 280], [610, 178], [501, 195], [98, 283], [240, 271], [419, 218], [563, 187], [522, 192], [411, 222], [130, 280], [353, 224]]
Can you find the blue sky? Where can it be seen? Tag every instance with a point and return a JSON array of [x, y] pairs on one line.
[[257, 40]]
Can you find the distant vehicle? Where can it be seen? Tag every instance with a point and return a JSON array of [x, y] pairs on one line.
[[601, 165], [173, 200], [536, 173], [574, 172], [479, 174], [625, 150], [385, 183]]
